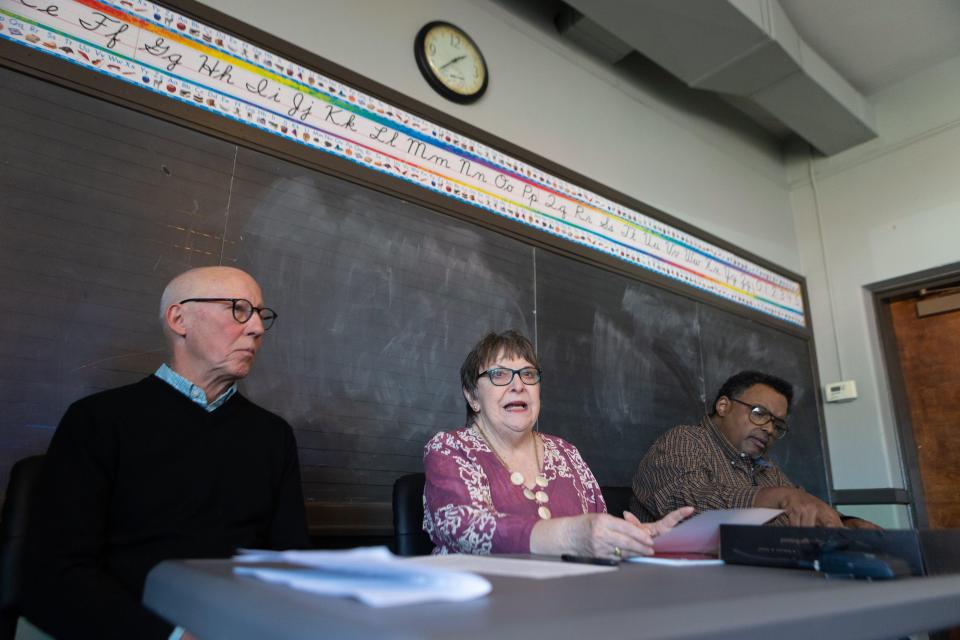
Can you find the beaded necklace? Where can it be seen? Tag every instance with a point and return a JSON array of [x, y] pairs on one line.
[[538, 494]]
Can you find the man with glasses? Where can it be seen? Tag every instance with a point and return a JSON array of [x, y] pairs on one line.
[[720, 463], [177, 465]]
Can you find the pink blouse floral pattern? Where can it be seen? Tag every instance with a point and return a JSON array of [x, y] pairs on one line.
[[470, 505]]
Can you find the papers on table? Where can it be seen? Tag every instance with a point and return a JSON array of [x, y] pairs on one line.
[[512, 567], [378, 578], [372, 575], [701, 533], [678, 560]]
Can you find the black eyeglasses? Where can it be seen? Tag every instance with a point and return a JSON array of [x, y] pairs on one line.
[[761, 416], [243, 310], [501, 376]]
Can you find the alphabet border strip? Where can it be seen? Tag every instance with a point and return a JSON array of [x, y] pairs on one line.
[[150, 46]]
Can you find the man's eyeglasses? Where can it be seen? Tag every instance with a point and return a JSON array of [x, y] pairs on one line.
[[502, 376], [243, 310], [761, 416]]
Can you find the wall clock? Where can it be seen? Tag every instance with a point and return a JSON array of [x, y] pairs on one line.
[[451, 62]]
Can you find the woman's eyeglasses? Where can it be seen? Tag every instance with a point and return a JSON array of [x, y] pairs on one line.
[[501, 376]]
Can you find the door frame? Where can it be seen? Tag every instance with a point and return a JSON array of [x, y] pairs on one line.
[[882, 295]]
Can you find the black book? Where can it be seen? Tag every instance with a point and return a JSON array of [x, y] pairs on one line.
[[851, 552]]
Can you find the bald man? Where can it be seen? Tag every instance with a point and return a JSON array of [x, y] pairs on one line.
[[178, 465]]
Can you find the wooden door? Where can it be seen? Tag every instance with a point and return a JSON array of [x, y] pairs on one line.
[[929, 350]]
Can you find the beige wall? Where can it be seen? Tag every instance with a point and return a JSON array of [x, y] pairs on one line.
[[886, 209]]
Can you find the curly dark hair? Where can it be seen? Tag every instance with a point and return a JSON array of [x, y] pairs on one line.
[[740, 382], [510, 343]]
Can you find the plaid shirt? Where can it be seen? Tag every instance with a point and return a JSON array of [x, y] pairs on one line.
[[695, 465]]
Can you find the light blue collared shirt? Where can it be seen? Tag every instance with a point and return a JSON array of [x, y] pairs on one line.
[[192, 391]]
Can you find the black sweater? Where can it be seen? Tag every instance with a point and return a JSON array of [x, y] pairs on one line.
[[141, 474]]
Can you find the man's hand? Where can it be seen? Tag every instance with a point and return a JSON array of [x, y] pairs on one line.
[[860, 523], [801, 508]]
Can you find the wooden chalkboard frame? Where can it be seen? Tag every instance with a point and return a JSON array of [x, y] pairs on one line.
[[115, 91]]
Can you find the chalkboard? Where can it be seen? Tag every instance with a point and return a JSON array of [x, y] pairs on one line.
[[731, 343], [379, 301], [626, 361]]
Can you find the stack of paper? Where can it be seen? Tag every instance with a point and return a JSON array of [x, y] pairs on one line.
[[372, 575], [694, 541]]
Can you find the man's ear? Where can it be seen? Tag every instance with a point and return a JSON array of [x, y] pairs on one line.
[[723, 406], [175, 320]]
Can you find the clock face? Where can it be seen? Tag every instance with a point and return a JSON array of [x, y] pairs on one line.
[[451, 62]]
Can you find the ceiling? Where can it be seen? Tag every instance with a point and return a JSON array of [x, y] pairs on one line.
[[877, 43], [797, 67]]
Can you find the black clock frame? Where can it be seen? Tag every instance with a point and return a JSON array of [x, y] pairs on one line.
[[420, 54]]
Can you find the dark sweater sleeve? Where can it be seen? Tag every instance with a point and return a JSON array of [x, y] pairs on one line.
[[288, 529], [68, 592]]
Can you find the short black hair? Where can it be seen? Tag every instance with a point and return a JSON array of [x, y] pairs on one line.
[[510, 343], [740, 382]]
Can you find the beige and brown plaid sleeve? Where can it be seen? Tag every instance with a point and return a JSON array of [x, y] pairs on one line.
[[680, 469]]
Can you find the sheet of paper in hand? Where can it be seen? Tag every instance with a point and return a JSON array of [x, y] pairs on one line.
[[701, 533]]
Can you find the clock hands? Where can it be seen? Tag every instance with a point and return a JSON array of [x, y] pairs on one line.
[[447, 64]]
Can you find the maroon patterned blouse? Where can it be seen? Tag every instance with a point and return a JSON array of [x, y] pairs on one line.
[[470, 506]]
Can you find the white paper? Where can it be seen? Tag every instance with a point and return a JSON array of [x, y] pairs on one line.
[[701, 533], [675, 562], [512, 567], [372, 575]]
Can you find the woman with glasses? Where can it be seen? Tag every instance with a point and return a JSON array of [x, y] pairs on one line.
[[497, 486]]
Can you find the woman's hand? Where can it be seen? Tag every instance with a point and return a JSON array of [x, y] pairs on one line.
[[629, 535], [662, 525], [601, 535]]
